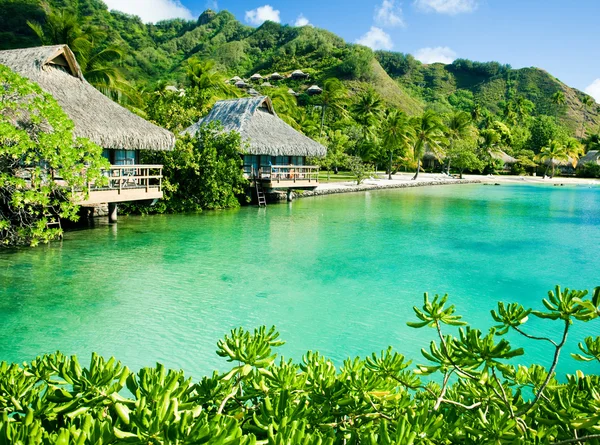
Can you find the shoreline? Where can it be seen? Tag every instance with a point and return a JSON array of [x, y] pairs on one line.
[[435, 179]]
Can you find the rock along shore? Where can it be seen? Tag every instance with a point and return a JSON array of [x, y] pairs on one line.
[[379, 185]]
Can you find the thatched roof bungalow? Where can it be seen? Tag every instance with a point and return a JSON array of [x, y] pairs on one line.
[[314, 90], [252, 92], [504, 157], [96, 117], [276, 76], [299, 74], [592, 156], [241, 84], [275, 152], [255, 77], [266, 85], [235, 79]]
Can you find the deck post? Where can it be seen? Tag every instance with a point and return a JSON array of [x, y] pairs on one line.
[[112, 212], [290, 195]]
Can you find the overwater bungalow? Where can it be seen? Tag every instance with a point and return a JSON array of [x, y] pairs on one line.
[[299, 74], [276, 153], [314, 90], [121, 133]]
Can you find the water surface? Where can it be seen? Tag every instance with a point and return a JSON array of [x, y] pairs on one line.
[[338, 274]]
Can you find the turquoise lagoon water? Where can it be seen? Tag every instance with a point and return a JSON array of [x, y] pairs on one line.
[[338, 274]]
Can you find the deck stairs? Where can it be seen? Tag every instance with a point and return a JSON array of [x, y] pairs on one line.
[[260, 194]]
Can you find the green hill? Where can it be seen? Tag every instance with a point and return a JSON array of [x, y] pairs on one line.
[[157, 52]]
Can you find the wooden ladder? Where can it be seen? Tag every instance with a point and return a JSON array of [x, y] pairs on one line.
[[260, 194], [53, 220]]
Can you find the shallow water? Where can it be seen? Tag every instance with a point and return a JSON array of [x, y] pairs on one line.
[[338, 274]]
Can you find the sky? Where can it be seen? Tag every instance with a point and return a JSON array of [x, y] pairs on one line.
[[560, 36]]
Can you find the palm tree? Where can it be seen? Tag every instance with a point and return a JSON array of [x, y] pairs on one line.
[[207, 83], [428, 134], [552, 154], [476, 112], [458, 127], [367, 111], [559, 98], [523, 108], [574, 150], [99, 62], [286, 106], [586, 103], [334, 97], [397, 134]]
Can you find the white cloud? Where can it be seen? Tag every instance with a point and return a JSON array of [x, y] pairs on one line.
[[261, 14], [441, 54], [388, 14], [302, 21], [594, 90], [151, 10], [212, 4], [451, 7], [376, 38]]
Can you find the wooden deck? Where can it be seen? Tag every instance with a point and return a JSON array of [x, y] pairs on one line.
[[125, 183], [289, 177]]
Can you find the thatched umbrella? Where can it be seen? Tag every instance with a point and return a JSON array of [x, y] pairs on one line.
[[255, 77], [314, 90], [276, 76], [299, 74], [96, 117], [260, 127]]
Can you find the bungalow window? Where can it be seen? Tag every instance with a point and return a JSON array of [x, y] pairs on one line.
[[125, 157], [250, 164], [298, 160], [281, 160]]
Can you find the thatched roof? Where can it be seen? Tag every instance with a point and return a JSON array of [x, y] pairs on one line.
[[252, 92], [256, 76], [235, 79], [299, 74], [290, 91], [276, 76], [241, 84], [502, 156], [314, 90], [96, 117], [591, 156], [266, 84], [259, 126]]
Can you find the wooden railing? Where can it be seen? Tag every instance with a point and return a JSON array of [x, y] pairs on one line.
[[121, 177], [286, 173]]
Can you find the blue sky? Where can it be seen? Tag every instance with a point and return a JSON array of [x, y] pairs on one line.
[[560, 36]]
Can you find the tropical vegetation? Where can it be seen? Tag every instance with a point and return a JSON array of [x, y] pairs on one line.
[[471, 389]]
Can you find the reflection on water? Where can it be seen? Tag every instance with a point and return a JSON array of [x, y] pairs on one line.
[[339, 273]]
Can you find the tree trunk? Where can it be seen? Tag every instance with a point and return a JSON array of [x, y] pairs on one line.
[[390, 171], [461, 172], [448, 169], [553, 169], [322, 119], [418, 168]]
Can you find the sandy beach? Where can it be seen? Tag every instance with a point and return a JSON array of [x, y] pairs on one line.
[[404, 180]]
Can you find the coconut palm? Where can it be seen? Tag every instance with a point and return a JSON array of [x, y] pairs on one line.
[[574, 150], [367, 111], [476, 113], [523, 108], [397, 132], [552, 154], [428, 134], [207, 83], [559, 98], [286, 106], [458, 126], [586, 104], [334, 98]]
